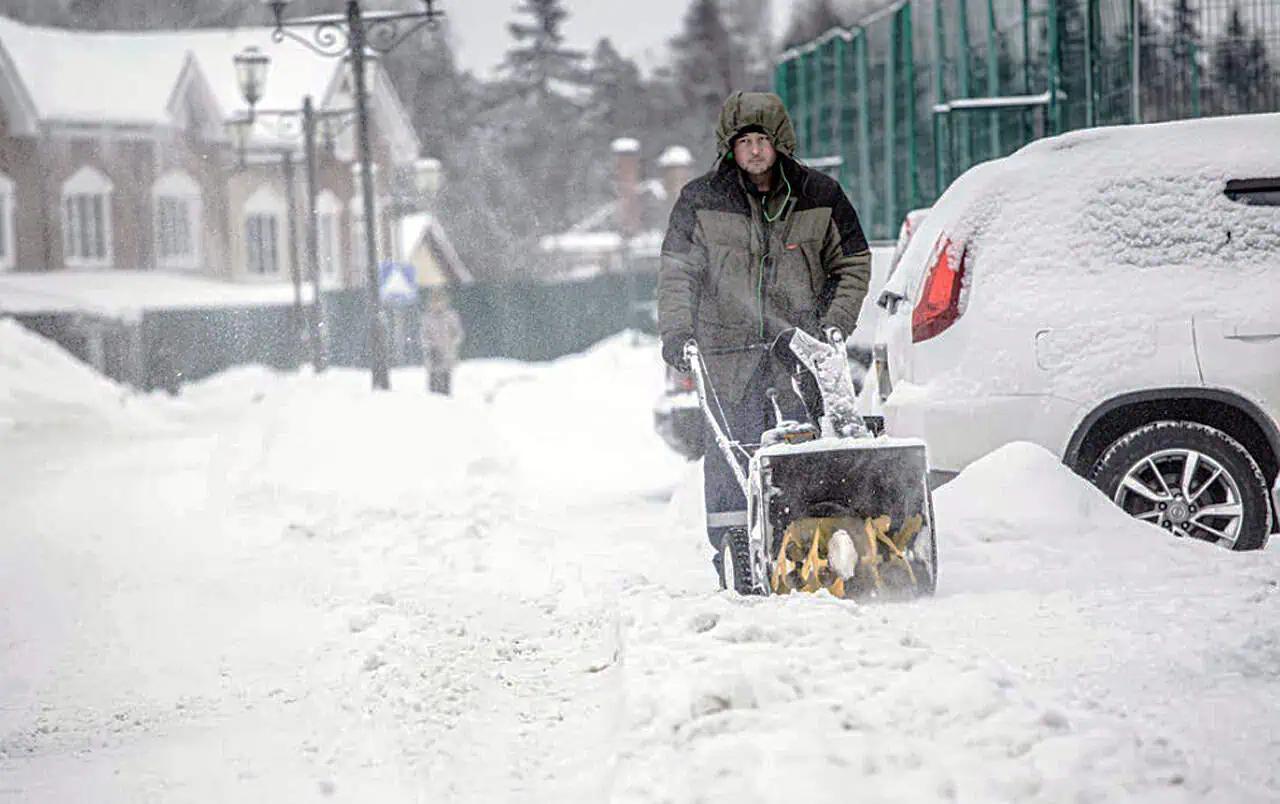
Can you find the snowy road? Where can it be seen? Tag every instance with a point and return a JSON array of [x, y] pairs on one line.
[[282, 589]]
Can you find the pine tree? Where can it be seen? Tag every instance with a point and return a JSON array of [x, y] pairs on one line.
[[705, 61], [748, 23], [810, 21], [618, 102], [539, 56]]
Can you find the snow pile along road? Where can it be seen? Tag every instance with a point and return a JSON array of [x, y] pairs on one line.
[[1071, 654], [298, 590], [41, 384]]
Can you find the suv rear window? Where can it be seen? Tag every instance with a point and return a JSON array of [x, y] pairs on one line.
[[1254, 192]]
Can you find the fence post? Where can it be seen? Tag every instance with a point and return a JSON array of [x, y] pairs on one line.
[[891, 126], [1193, 52], [837, 109], [1135, 71], [963, 89], [863, 69], [1090, 112], [993, 79], [913, 160], [801, 114], [1055, 69], [940, 177], [1027, 129], [815, 102]]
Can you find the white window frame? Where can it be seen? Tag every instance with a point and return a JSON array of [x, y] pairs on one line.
[[265, 203], [255, 253], [8, 241], [86, 183], [178, 190], [329, 236]]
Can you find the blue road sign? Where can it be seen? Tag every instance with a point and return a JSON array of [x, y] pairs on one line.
[[398, 284]]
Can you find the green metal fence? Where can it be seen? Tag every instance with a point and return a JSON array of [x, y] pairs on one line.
[[901, 103]]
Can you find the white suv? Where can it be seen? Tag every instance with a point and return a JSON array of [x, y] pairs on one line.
[[1114, 296]]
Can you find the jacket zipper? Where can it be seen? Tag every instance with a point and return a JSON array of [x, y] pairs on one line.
[[760, 265]]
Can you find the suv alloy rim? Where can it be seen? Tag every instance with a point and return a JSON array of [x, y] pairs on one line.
[[1186, 492]]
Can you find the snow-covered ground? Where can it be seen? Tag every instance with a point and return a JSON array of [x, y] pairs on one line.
[[283, 587]]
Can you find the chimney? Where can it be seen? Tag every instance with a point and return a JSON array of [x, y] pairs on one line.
[[626, 161], [676, 163]]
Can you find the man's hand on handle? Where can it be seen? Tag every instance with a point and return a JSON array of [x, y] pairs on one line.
[[673, 351]]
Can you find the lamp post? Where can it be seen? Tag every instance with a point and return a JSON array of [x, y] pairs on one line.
[[348, 36], [251, 68]]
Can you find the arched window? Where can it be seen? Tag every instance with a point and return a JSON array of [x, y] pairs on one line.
[[329, 242], [86, 219], [264, 215], [7, 241], [178, 210]]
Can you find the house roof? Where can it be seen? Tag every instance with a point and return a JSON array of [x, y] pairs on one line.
[[131, 78], [424, 228]]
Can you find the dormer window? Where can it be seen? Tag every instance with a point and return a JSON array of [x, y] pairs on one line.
[[178, 221], [86, 219]]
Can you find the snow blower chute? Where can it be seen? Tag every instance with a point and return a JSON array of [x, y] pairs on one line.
[[829, 506]]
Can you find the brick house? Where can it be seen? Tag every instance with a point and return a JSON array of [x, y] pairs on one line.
[[114, 156]]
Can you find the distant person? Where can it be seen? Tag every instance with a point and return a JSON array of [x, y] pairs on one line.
[[755, 247], [442, 338]]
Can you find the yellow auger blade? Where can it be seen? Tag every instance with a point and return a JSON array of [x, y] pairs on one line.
[[803, 562]]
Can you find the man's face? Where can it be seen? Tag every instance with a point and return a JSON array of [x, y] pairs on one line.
[[754, 153]]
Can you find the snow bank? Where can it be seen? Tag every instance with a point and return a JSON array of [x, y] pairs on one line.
[[1041, 671], [1019, 508], [588, 417], [328, 441], [42, 384]]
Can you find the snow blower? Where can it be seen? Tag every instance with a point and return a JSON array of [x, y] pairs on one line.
[[829, 506]]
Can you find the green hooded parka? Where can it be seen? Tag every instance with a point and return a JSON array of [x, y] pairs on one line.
[[737, 269]]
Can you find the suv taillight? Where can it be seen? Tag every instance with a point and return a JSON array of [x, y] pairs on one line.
[[939, 305]]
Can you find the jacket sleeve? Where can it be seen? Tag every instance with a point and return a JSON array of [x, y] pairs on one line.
[[847, 261], [684, 263]]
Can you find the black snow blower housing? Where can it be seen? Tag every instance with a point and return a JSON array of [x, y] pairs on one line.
[[828, 505]]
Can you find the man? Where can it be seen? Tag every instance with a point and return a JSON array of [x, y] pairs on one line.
[[757, 246], [442, 337]]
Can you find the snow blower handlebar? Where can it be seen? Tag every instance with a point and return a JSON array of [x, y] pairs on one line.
[[702, 384]]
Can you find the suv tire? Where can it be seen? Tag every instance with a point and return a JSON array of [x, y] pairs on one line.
[[1169, 447]]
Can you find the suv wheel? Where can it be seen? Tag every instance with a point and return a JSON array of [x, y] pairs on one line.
[[1190, 479]]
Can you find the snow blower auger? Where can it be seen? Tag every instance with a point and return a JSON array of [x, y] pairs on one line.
[[829, 506]]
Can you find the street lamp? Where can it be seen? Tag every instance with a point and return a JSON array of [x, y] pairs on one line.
[[352, 35], [239, 128], [251, 68], [251, 73]]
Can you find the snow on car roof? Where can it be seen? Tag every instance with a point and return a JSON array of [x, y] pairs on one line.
[[1147, 199]]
